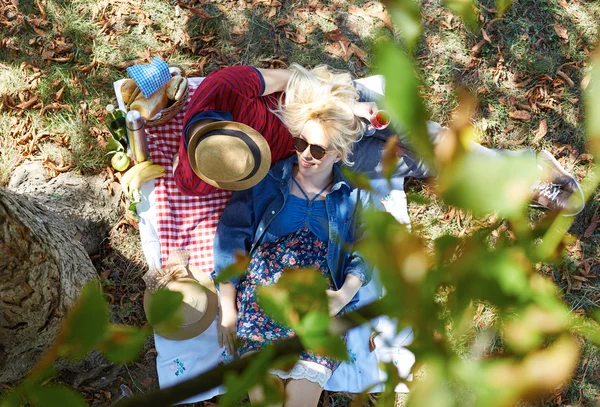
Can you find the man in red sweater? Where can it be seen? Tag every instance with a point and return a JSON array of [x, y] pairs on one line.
[[242, 94]]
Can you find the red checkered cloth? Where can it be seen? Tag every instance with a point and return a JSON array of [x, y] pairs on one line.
[[183, 222]]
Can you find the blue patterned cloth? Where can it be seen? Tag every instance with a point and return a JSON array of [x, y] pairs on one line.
[[150, 77], [255, 328]]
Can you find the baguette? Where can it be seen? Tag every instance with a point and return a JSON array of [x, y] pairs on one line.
[[150, 107], [128, 87], [173, 86], [183, 85], [176, 87]]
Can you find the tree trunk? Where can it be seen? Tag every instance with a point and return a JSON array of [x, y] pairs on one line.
[[43, 262]]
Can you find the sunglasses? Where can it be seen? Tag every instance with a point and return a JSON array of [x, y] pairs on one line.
[[316, 151]]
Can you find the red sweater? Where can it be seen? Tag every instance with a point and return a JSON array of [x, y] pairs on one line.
[[236, 90]]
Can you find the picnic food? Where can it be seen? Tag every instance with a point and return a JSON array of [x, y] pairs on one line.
[[148, 108], [128, 87], [171, 92], [129, 175], [120, 161], [176, 87], [144, 175]]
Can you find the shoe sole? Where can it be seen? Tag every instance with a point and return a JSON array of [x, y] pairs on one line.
[[565, 173]]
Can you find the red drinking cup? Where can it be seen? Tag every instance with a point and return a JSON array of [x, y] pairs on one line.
[[380, 119]]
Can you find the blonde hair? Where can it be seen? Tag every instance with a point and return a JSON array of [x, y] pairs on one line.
[[326, 97]]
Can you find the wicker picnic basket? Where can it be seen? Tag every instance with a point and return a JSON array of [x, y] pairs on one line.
[[171, 111]]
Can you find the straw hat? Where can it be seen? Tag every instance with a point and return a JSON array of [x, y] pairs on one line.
[[228, 155], [199, 308]]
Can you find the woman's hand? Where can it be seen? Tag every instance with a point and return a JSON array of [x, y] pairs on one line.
[[228, 314], [226, 329], [364, 109], [340, 298], [337, 301]]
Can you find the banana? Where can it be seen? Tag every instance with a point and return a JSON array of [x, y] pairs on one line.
[[131, 173], [145, 175]]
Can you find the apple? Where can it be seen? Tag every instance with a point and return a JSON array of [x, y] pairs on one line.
[[120, 161]]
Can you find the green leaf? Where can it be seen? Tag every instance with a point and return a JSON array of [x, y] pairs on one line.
[[315, 323], [275, 301], [361, 181], [502, 6], [55, 396], [389, 157], [490, 184], [234, 270], [164, 305], [432, 390], [237, 385], [403, 98], [113, 145], [87, 323], [133, 206], [327, 345], [124, 343], [406, 15], [313, 332], [297, 292], [418, 199], [401, 258], [592, 108], [11, 399], [466, 9]]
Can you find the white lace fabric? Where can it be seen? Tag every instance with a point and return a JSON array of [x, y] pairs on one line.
[[304, 369]]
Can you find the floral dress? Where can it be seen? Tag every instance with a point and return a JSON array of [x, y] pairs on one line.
[[299, 249]]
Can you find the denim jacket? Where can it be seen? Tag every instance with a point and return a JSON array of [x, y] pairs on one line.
[[248, 214]]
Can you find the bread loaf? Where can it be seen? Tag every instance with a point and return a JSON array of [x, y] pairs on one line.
[[127, 88], [150, 107], [172, 86], [183, 86]]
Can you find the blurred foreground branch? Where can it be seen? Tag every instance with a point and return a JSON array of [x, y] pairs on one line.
[[215, 377]]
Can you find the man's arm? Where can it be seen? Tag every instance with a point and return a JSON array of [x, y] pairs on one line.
[[275, 80]]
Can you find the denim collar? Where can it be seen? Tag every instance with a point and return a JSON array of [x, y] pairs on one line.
[[282, 172]]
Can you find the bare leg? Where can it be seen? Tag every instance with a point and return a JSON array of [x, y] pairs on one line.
[[302, 393], [256, 394]]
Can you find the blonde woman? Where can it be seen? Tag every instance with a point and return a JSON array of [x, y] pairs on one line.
[[302, 214]]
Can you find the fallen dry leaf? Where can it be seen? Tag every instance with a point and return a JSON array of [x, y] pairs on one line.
[[566, 78], [522, 115], [486, 36], [372, 9], [592, 226], [283, 21], [62, 59], [360, 53], [272, 12], [87, 68], [59, 94], [147, 382], [561, 31], [200, 12], [541, 131], [54, 106], [477, 48], [27, 104], [296, 36]]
